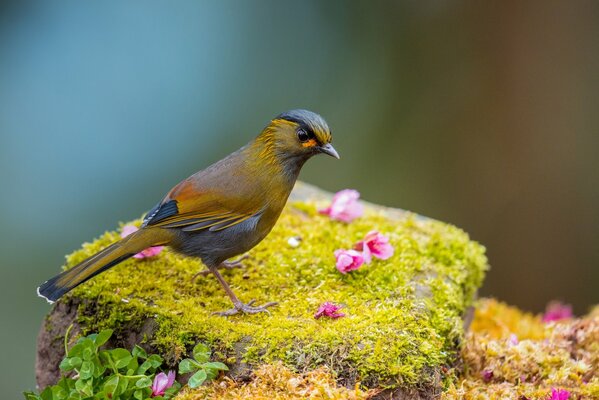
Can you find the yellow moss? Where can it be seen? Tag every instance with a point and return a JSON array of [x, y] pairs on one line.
[[561, 355], [278, 382], [499, 321], [403, 314]]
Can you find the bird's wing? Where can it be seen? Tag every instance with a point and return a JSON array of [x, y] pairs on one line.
[[193, 209]]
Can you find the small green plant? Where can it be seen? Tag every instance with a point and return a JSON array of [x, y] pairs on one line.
[[201, 366], [114, 374]]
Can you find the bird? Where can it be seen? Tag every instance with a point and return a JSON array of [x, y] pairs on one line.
[[222, 211]]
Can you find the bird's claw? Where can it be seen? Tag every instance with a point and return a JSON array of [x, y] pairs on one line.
[[247, 309]]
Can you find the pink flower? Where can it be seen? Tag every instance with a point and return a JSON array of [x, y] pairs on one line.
[[557, 311], [559, 394], [128, 229], [375, 244], [328, 309], [344, 206], [162, 382], [513, 340], [348, 260], [487, 375], [149, 252]]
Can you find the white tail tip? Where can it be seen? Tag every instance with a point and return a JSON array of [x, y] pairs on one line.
[[43, 297]]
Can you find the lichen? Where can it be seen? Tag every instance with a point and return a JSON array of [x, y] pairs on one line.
[[404, 314]]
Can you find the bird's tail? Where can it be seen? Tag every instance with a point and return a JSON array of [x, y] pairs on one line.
[[54, 288]]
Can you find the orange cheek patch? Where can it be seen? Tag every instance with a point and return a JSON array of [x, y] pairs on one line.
[[309, 143]]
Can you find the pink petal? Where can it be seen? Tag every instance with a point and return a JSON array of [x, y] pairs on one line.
[[375, 244], [348, 260], [367, 254], [160, 384], [171, 379], [487, 375], [557, 311], [128, 229], [383, 251], [149, 252], [559, 394], [344, 261], [370, 236], [325, 211], [344, 206], [328, 309]]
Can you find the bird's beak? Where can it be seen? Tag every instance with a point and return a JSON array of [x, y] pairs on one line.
[[330, 150]]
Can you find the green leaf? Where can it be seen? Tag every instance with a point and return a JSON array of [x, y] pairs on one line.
[[139, 352], [32, 396], [188, 365], [110, 386], [66, 383], [132, 366], [58, 393], [103, 337], [87, 370], [197, 379], [65, 364], [155, 360], [146, 365], [68, 364], [201, 352], [87, 353], [172, 391], [121, 357], [211, 374], [47, 393], [99, 368], [123, 385], [85, 387], [215, 365], [76, 396], [146, 381], [84, 346], [76, 350], [139, 394]]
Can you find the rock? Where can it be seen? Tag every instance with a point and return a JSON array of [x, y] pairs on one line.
[[404, 316]]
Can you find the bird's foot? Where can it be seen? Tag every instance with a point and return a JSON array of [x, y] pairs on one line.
[[225, 265], [247, 309]]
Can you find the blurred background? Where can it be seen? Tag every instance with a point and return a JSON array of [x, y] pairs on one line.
[[482, 114]]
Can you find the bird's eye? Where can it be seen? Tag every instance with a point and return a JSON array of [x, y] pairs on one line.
[[302, 135]]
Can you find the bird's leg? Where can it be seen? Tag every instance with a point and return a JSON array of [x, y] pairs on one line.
[[225, 265], [239, 306], [235, 263]]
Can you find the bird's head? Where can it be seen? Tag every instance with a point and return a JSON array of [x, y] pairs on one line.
[[296, 135]]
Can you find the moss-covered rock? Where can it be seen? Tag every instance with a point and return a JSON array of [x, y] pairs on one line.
[[508, 354], [404, 315]]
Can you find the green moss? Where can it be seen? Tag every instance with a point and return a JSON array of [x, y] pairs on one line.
[[403, 314]]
